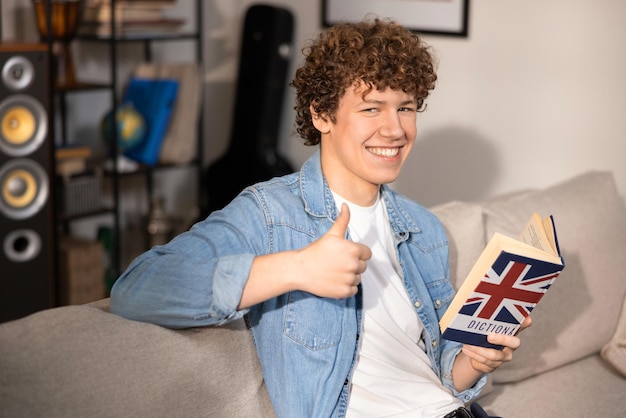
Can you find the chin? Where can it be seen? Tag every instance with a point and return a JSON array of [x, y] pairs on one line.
[[386, 180]]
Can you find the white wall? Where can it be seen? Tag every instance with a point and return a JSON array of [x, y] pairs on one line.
[[534, 95]]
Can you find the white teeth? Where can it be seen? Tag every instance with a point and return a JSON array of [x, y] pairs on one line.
[[384, 152]]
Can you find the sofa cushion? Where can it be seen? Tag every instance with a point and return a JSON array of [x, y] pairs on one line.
[[584, 388], [463, 222], [81, 361], [614, 352], [578, 315]]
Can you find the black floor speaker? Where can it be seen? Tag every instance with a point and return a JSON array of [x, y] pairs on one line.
[[27, 279], [252, 155]]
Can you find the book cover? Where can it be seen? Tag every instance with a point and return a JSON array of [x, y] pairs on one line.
[[123, 12], [180, 142], [508, 280], [133, 27], [154, 100], [70, 166], [64, 152], [70, 160]]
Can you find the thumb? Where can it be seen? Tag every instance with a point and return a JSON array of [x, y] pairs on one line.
[[341, 223]]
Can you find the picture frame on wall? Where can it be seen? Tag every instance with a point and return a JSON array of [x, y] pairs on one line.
[[433, 17]]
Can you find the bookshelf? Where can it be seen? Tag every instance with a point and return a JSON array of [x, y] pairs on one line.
[[114, 179]]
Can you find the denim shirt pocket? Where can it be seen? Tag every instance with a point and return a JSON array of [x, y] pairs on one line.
[[315, 323], [442, 294]]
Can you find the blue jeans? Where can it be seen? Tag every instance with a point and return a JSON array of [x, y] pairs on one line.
[[478, 411]]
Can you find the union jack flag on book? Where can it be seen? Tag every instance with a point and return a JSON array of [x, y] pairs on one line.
[[499, 299]]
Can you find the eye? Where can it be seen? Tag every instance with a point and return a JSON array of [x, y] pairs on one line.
[[407, 109]]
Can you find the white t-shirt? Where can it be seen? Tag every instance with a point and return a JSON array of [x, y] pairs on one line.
[[393, 376]]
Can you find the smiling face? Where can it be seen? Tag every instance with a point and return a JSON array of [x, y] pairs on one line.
[[369, 141]]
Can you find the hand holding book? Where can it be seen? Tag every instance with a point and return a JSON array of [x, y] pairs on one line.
[[507, 281]]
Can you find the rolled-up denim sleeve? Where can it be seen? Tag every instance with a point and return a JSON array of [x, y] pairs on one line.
[[449, 352], [153, 290], [196, 279], [229, 280]]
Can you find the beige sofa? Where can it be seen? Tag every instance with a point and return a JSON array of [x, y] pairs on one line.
[[81, 361]]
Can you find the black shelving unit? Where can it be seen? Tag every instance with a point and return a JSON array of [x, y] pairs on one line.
[[115, 176]]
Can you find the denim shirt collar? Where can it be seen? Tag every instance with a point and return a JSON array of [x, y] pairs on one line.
[[311, 177], [323, 204]]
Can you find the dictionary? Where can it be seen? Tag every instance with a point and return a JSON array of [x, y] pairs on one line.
[[505, 284]]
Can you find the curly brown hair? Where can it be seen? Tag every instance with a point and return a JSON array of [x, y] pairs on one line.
[[379, 52]]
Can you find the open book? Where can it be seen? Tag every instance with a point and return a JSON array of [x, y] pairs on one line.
[[506, 283]]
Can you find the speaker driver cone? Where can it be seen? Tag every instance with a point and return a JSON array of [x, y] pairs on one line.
[[23, 125], [18, 73], [24, 188], [22, 245]]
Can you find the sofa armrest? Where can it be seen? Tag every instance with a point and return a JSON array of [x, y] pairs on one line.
[[84, 361]]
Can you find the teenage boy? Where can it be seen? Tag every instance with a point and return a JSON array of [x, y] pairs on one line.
[[342, 279]]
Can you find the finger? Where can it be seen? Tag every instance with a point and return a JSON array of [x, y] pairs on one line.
[[485, 360], [504, 340], [477, 361], [353, 290], [340, 226], [528, 321], [362, 264]]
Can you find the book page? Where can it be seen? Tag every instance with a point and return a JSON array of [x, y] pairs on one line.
[[534, 234], [548, 226]]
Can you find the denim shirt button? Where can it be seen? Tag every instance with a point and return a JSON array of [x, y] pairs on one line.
[[417, 304], [438, 302], [434, 344]]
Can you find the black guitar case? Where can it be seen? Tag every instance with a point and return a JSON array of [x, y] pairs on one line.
[[252, 155]]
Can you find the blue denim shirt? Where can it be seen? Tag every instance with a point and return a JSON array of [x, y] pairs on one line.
[[306, 344]]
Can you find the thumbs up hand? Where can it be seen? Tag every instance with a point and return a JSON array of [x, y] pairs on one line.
[[332, 265]]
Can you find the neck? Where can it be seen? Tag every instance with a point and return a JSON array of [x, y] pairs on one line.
[[349, 186], [363, 198]]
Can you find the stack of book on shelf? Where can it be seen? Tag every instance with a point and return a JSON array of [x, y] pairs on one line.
[[71, 160], [131, 18], [79, 186]]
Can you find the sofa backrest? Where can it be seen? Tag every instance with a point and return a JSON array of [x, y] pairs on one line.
[[579, 314], [78, 361]]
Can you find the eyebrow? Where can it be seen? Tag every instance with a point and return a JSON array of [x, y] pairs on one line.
[[382, 102]]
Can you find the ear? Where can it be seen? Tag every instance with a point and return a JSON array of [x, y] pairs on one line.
[[320, 122]]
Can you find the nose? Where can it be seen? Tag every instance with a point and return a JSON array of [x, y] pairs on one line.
[[392, 126]]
